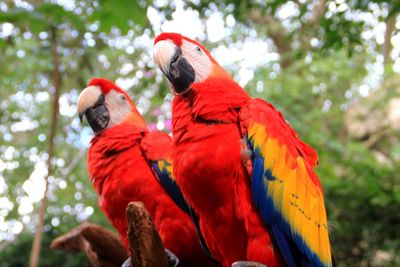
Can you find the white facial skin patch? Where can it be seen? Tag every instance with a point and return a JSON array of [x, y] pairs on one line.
[[119, 105], [198, 59]]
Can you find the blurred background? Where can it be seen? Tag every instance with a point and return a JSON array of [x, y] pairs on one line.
[[331, 66]]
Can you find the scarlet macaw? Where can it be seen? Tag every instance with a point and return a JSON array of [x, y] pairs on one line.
[[241, 167], [127, 162]]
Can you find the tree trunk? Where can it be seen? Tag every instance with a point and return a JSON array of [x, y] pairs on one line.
[[279, 35], [37, 242], [387, 45]]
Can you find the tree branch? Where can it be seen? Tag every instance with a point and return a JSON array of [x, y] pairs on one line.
[[36, 247], [104, 249], [279, 35], [387, 44], [146, 247], [101, 246], [276, 32], [312, 22], [317, 12]]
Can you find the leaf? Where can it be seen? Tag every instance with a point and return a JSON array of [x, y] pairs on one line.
[[394, 9], [41, 17], [58, 15], [118, 13], [25, 19]]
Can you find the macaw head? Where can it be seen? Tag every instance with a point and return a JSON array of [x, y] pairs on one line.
[[105, 105], [184, 61]]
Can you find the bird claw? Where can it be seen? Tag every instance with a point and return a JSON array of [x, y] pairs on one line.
[[173, 259], [127, 263], [248, 264]]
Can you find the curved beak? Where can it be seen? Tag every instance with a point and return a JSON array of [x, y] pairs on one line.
[[91, 104], [173, 64]]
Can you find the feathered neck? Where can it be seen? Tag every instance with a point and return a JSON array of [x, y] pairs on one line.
[[106, 147], [215, 96], [215, 100], [117, 138]]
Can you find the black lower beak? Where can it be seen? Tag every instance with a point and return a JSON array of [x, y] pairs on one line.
[[181, 74], [98, 116]]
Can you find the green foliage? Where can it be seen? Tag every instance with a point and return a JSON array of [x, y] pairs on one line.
[[41, 18], [361, 194], [26, 67], [16, 256], [113, 39], [118, 13]]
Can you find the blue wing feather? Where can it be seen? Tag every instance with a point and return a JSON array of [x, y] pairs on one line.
[[284, 187], [294, 253], [170, 186], [265, 205]]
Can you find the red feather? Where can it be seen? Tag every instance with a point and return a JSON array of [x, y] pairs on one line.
[[207, 165], [214, 163], [120, 172], [209, 123], [175, 37], [105, 85], [119, 162]]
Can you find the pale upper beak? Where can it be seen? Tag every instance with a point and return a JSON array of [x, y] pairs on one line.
[[87, 99], [163, 52], [92, 105]]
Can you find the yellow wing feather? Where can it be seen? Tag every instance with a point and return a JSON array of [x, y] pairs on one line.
[[293, 192]]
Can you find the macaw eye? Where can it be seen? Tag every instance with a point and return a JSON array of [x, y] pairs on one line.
[[123, 97], [198, 50]]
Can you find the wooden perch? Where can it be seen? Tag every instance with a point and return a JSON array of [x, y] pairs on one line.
[[102, 247], [146, 247]]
